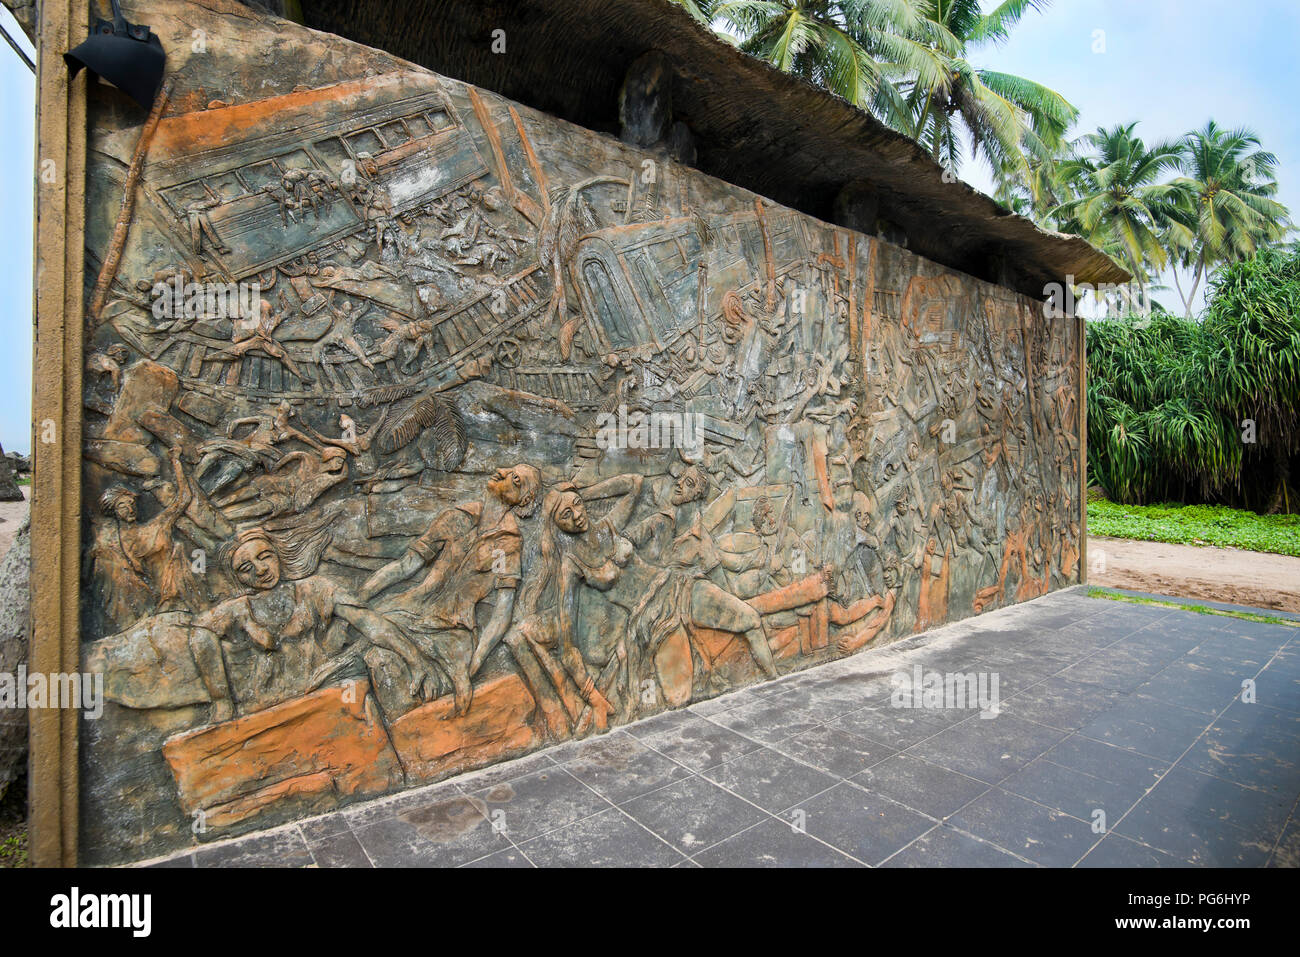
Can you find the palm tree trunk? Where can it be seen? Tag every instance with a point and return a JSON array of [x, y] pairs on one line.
[[1200, 268], [1187, 299], [1282, 469]]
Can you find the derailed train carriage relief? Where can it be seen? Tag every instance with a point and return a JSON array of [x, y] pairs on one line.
[[424, 430]]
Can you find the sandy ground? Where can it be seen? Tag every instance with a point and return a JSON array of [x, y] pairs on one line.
[[11, 514], [1190, 571]]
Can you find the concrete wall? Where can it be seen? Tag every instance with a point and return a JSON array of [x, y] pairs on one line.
[[423, 430]]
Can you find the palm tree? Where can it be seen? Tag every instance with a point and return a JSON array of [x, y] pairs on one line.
[[1012, 122], [906, 62], [1226, 204], [702, 10], [854, 48], [1037, 191], [1118, 204]]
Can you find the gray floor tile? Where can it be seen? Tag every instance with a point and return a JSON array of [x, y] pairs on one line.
[[767, 720], [507, 857], [1106, 762], [895, 727], [1074, 792], [1261, 718], [693, 814], [1111, 668], [321, 827], [1287, 852], [1096, 633], [621, 767], [539, 802], [863, 824], [1045, 836], [944, 847], [1170, 644], [1118, 851], [988, 749], [773, 844], [446, 834], [1259, 811], [338, 850], [1193, 837], [826, 698], [389, 808], [1187, 681], [1276, 689], [1060, 703], [920, 785], [1260, 760], [772, 781], [1148, 726], [834, 751], [608, 839], [284, 848], [724, 702], [694, 742]]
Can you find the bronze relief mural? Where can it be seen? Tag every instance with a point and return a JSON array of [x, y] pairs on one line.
[[425, 430]]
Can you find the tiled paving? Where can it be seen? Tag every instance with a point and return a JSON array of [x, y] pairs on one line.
[[1131, 713]]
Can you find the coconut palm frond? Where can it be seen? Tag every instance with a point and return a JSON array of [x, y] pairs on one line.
[[436, 414]]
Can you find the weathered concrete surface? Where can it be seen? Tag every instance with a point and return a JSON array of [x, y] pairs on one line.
[[755, 125], [1130, 710], [397, 383]]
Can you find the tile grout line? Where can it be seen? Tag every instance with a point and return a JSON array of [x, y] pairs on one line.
[[1171, 767], [938, 822], [772, 815], [483, 813], [619, 808], [828, 723]]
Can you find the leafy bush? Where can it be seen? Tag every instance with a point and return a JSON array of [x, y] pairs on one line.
[[1196, 525], [1168, 398]]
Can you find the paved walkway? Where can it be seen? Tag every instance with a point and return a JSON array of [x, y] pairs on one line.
[[1130, 711]]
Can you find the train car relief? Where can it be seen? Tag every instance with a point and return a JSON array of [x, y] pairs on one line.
[[425, 430]]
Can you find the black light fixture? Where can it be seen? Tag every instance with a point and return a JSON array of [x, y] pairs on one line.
[[128, 56]]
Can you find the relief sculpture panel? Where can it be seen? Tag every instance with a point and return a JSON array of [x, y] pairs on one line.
[[425, 430]]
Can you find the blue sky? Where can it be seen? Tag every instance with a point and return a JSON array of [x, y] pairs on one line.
[[18, 120], [1170, 64]]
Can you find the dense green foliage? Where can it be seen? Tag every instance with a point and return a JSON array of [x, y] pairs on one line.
[[1197, 525], [909, 63], [1171, 400]]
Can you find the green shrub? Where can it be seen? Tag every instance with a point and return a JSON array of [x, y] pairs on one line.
[[1168, 397]]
